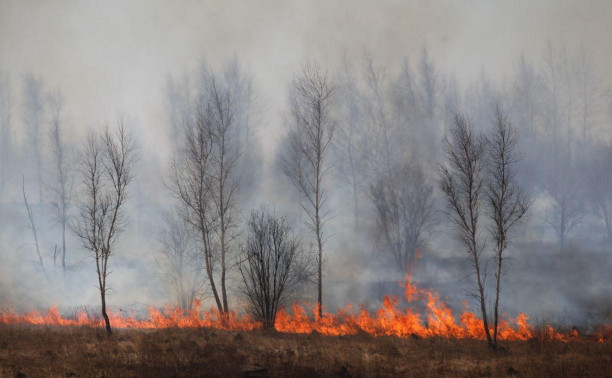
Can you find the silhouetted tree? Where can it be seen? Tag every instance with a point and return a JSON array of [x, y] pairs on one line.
[[225, 179], [192, 184], [561, 179], [564, 187], [306, 160], [272, 264], [429, 98], [462, 182], [62, 178], [218, 109], [352, 149], [507, 201], [33, 229], [599, 184], [106, 169], [33, 116], [247, 116], [403, 202], [179, 261]]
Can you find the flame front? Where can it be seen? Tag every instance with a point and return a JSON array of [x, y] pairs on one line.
[[170, 317], [389, 320]]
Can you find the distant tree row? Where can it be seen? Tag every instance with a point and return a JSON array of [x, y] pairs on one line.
[[367, 137]]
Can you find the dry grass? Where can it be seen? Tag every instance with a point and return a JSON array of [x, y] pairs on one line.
[[65, 352]]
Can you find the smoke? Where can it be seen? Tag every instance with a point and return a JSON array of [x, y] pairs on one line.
[[111, 58]]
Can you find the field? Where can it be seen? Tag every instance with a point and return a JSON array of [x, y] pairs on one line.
[[51, 351]]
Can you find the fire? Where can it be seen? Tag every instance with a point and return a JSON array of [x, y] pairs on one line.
[[390, 320], [170, 317], [605, 332]]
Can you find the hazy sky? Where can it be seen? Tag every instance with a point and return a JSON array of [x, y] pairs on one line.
[[114, 56]]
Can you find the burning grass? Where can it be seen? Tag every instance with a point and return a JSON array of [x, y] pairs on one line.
[[390, 320], [392, 341], [27, 350]]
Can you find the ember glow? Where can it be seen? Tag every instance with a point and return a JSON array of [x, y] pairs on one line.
[[389, 320]]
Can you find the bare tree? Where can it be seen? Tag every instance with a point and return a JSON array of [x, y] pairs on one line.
[[525, 97], [403, 202], [599, 178], [567, 210], [218, 158], [429, 94], [206, 179], [560, 125], [225, 181], [33, 115], [272, 264], [32, 226], [507, 201], [62, 178], [480, 98], [375, 106], [180, 261], [246, 113], [452, 100], [192, 186], [107, 161], [590, 96], [525, 109], [306, 160], [413, 119], [351, 144], [5, 128], [462, 182]]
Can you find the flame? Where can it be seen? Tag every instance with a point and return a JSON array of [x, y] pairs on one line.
[[391, 320], [170, 317], [605, 332]]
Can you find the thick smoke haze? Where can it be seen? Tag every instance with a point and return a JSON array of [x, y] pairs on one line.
[[117, 59]]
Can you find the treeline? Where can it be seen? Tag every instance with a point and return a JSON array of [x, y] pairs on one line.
[[366, 139]]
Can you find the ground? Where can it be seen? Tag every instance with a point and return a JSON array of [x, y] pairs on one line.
[[33, 351]]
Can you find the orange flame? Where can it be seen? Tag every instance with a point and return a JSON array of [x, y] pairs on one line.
[[390, 320], [393, 321], [170, 317]]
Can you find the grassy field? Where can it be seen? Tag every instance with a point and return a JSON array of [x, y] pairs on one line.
[[29, 351]]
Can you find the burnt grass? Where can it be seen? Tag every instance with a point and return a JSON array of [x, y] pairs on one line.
[[33, 351]]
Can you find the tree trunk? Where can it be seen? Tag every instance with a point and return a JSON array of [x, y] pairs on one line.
[[320, 271], [355, 198], [214, 287], [40, 184], [483, 309], [207, 260], [497, 292], [64, 249], [104, 314], [223, 290], [223, 225]]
